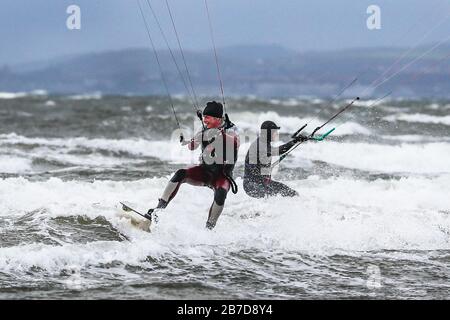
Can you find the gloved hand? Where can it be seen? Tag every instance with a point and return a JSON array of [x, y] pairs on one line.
[[199, 114], [184, 142], [300, 138], [228, 123], [151, 215]]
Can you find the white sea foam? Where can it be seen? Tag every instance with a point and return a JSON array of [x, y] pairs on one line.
[[424, 158], [415, 138], [39, 92], [330, 215], [434, 106], [251, 121], [50, 103], [368, 103], [428, 158], [87, 96], [393, 109], [14, 164], [294, 102], [438, 106], [349, 128], [59, 149], [291, 102], [15, 95], [12, 95], [419, 118]]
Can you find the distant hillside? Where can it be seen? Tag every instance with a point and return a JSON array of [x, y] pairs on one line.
[[257, 70]]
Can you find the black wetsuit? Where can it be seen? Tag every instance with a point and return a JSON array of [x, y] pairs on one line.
[[257, 175]]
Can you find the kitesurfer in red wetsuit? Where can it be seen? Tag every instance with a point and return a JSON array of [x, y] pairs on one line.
[[219, 142]]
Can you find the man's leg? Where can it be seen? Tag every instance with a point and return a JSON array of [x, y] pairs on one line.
[[275, 188], [221, 188], [254, 189], [194, 176]]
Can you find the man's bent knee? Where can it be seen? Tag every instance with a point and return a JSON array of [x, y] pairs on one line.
[[179, 176], [219, 196]]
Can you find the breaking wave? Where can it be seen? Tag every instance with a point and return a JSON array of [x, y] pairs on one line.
[[330, 215], [419, 118]]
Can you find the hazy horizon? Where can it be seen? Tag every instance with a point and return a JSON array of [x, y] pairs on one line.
[[65, 56], [37, 31]]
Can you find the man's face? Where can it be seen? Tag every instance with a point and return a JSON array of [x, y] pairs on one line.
[[212, 122], [274, 134]]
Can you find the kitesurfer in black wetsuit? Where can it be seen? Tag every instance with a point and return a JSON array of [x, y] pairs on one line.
[[219, 141], [258, 164]]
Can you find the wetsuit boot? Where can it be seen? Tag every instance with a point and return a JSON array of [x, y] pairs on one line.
[[214, 214], [216, 208], [169, 192], [151, 214]]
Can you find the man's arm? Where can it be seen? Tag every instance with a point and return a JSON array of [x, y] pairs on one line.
[[287, 146], [233, 136], [194, 142]]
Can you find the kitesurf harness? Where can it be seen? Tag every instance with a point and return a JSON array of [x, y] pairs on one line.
[[234, 187], [227, 124]]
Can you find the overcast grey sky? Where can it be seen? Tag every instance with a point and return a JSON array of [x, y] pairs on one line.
[[36, 30]]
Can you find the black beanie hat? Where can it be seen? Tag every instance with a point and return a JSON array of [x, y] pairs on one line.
[[269, 125], [213, 109]]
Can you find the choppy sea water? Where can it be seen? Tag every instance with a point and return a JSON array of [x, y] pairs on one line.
[[372, 219]]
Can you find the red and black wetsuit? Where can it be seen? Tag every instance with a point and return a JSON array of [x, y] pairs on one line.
[[218, 158]]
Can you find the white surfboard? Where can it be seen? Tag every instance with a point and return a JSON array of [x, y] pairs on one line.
[[137, 222]]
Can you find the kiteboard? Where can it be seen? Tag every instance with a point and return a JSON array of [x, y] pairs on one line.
[[139, 223]]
